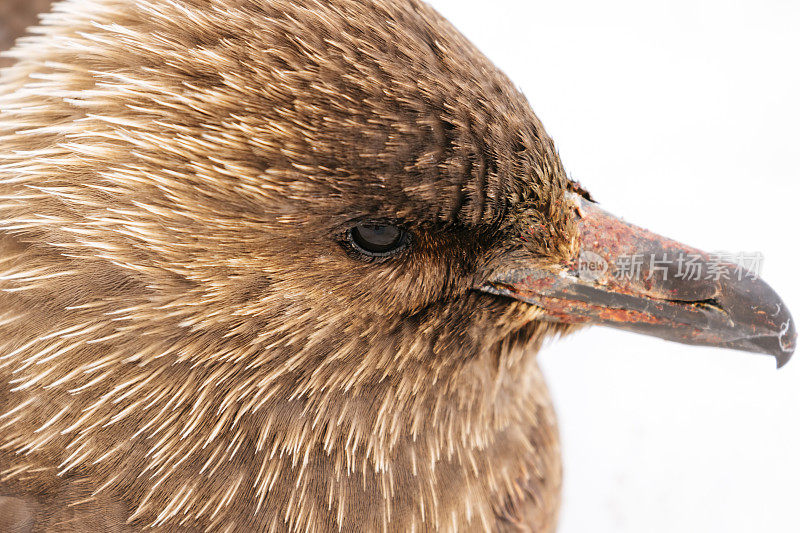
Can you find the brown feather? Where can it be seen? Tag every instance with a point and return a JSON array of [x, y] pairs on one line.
[[15, 18], [186, 345]]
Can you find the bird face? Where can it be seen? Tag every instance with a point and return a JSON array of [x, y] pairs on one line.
[[280, 208], [326, 233], [318, 165]]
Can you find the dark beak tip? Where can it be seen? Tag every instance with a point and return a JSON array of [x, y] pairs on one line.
[[778, 341], [788, 344], [780, 344], [784, 357]]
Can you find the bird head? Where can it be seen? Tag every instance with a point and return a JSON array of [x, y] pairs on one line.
[[328, 179], [286, 227], [325, 180]]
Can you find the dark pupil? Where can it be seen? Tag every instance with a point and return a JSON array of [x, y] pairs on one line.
[[378, 239]]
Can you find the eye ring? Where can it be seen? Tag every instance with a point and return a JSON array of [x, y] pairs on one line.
[[377, 240]]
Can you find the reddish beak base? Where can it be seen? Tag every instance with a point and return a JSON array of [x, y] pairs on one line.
[[630, 278]]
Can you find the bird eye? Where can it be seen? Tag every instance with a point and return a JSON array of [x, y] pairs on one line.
[[377, 240]]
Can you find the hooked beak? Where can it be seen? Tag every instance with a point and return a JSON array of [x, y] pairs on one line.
[[627, 277]]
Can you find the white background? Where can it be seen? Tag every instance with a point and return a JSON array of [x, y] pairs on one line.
[[682, 117]]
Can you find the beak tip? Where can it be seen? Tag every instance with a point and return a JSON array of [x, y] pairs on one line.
[[788, 344], [783, 358], [779, 344]]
